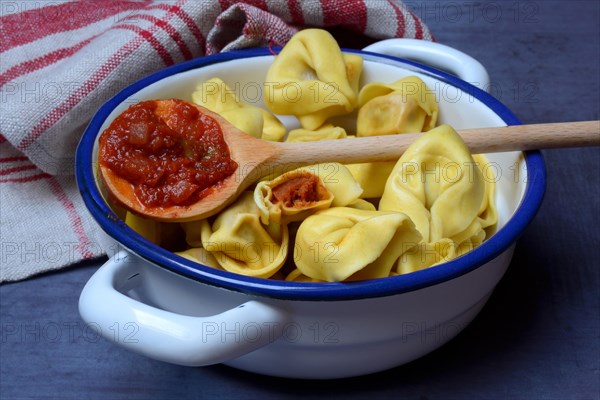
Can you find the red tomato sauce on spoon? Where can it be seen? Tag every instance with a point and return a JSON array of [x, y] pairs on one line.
[[170, 160]]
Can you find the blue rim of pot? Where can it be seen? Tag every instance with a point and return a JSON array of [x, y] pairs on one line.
[[118, 230]]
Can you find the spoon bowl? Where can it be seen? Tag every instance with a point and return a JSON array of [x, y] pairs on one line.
[[243, 148]]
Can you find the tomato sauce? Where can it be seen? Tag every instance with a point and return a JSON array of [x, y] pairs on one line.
[[171, 160]]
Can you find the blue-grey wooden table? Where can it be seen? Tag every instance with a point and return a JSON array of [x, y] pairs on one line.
[[537, 338]]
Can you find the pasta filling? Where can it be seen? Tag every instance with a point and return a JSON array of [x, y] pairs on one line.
[[300, 191]]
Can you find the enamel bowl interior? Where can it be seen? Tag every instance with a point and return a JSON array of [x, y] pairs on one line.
[[520, 177]]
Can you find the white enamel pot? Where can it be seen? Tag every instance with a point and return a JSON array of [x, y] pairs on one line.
[[171, 309]]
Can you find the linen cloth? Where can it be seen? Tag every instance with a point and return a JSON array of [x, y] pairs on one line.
[[61, 60]]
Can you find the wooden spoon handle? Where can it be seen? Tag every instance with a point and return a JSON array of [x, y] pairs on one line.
[[480, 140], [533, 137]]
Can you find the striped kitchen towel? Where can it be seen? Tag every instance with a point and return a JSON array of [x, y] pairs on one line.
[[61, 60]]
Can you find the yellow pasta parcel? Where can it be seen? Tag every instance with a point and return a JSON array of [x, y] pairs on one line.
[[297, 276], [325, 132], [344, 243], [372, 176], [200, 256], [147, 228], [240, 243], [215, 95], [440, 186], [299, 193], [437, 183], [404, 106], [362, 204], [311, 79], [488, 212]]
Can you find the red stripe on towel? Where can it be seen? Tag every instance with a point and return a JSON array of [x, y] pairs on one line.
[[73, 216], [13, 159], [41, 62], [354, 15], [189, 23], [56, 18], [30, 178], [175, 36], [225, 4], [418, 27], [401, 23], [296, 12], [149, 37], [21, 168]]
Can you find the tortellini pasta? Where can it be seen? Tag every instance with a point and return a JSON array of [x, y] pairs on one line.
[[291, 197], [200, 256], [372, 177], [312, 79], [437, 184], [296, 194], [344, 243], [404, 106], [297, 276], [440, 186], [488, 212], [362, 204], [326, 132], [240, 243], [161, 233], [147, 228], [215, 95]]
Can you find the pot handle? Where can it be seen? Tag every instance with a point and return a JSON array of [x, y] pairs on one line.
[[167, 336], [436, 55]]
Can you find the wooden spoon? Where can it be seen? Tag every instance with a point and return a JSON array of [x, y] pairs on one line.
[[257, 158]]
